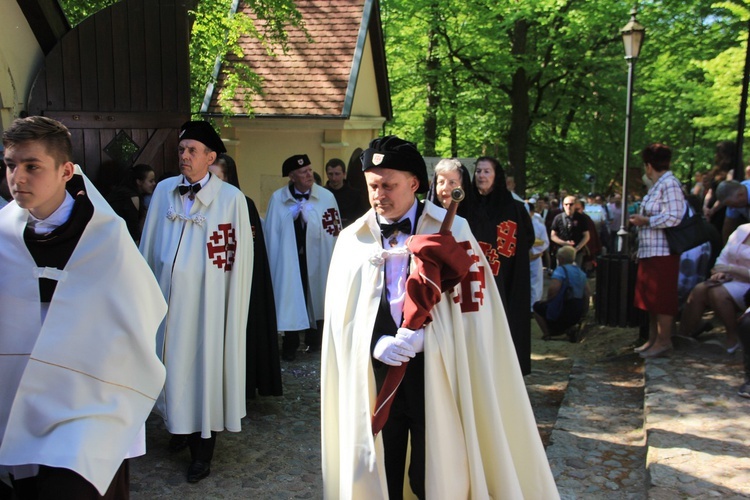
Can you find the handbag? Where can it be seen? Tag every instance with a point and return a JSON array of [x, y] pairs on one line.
[[692, 231], [555, 304]]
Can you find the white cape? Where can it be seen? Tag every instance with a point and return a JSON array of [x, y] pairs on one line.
[[481, 436], [323, 227], [77, 388], [202, 340]]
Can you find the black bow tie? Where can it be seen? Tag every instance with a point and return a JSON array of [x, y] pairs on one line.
[[388, 229], [299, 196], [187, 189]]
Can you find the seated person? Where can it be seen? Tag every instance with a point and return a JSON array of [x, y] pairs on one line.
[[576, 307], [724, 291], [733, 195], [743, 330]]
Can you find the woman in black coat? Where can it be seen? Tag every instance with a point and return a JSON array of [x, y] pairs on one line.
[[503, 228]]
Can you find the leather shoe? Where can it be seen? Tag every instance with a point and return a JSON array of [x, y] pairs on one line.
[[312, 349], [178, 442], [198, 470]]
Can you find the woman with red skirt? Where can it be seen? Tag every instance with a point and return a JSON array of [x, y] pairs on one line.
[[656, 283]]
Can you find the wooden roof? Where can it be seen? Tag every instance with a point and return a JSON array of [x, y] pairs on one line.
[[318, 78], [47, 21]]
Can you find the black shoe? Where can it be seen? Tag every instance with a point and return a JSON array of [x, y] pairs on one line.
[[312, 349], [288, 356], [178, 442], [198, 470]]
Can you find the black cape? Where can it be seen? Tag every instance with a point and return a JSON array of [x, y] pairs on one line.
[[504, 225], [263, 365]]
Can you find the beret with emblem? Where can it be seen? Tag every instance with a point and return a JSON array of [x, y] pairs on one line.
[[293, 163], [203, 132], [397, 154]]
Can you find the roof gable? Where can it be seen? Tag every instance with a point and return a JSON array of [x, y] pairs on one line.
[[318, 78]]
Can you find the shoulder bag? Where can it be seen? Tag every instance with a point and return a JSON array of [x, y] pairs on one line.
[[692, 231]]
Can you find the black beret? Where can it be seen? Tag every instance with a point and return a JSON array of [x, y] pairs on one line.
[[203, 132], [293, 163], [397, 154]]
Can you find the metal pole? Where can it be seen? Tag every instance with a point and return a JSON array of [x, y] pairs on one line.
[[623, 232]]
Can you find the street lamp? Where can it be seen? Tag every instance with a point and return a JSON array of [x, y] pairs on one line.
[[632, 38]]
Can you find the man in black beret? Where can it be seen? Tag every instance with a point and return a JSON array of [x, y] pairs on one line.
[[462, 370], [198, 241], [302, 224]]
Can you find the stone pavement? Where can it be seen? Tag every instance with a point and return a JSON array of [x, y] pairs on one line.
[[614, 426]]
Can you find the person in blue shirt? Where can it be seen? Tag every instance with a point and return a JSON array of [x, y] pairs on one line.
[[576, 305]]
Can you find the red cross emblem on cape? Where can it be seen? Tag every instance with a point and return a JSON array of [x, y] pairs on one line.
[[492, 257], [222, 246], [331, 222], [473, 284], [506, 238]]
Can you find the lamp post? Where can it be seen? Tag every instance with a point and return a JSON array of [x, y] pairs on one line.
[[632, 38]]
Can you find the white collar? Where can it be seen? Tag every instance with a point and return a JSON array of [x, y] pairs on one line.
[[411, 214], [55, 219], [202, 182]]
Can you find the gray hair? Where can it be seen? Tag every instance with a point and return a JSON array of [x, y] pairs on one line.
[[447, 165]]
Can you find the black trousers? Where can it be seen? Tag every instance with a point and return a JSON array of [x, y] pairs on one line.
[[201, 450], [54, 483], [405, 420]]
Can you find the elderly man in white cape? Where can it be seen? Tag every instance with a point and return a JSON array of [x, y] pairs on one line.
[[480, 437], [301, 227], [79, 309], [198, 241]]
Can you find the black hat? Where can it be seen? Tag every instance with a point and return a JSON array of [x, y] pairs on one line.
[[398, 154], [293, 163], [202, 132]]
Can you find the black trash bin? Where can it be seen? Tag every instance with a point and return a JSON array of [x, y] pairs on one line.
[[615, 286]]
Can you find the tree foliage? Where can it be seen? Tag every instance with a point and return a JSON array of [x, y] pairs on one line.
[[543, 84]]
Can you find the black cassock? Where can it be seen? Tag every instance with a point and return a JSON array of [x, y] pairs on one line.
[[263, 365], [503, 228]]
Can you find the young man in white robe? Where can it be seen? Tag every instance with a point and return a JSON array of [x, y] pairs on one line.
[[301, 227], [198, 241], [79, 310], [462, 403]]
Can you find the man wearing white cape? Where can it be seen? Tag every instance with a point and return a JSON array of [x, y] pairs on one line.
[[301, 227], [198, 241], [79, 309], [477, 437]]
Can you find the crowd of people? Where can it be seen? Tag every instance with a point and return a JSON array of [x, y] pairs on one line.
[[432, 318]]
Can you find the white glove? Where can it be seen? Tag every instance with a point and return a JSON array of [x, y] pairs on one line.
[[414, 337], [392, 351]]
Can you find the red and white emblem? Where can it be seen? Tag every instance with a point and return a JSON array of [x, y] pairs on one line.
[[506, 238], [331, 222], [471, 292], [222, 247], [377, 158]]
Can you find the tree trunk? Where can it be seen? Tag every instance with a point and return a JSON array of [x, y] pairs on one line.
[[433, 92], [518, 135]]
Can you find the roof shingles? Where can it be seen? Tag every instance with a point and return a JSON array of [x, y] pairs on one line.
[[312, 77]]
